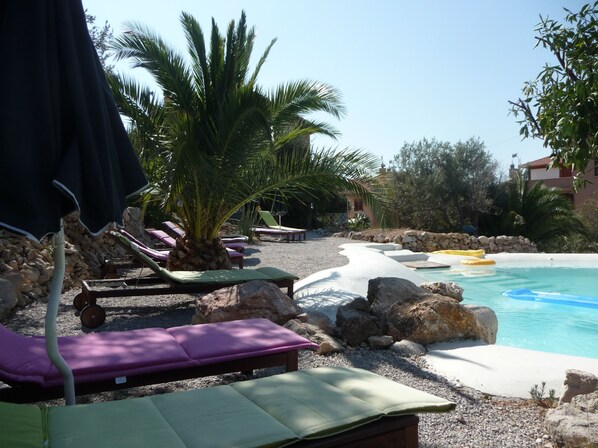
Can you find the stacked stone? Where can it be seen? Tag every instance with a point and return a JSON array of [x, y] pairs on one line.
[[421, 241], [26, 267], [27, 264]]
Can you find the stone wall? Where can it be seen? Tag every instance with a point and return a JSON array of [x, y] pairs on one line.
[[26, 267], [421, 241]]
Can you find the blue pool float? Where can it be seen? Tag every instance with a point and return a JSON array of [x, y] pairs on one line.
[[552, 297]]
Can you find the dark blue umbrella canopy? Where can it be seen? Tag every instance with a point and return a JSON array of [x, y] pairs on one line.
[[63, 145]]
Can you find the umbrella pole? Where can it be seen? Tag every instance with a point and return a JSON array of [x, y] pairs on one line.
[[51, 315]]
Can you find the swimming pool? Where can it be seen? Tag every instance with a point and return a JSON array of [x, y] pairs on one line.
[[548, 327]]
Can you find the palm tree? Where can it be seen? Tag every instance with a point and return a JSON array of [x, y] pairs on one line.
[[214, 141], [539, 213]]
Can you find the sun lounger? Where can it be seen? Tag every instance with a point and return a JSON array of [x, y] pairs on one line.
[[168, 241], [122, 359], [321, 407], [111, 265], [155, 254], [234, 243], [174, 229], [167, 282], [159, 255], [274, 229]]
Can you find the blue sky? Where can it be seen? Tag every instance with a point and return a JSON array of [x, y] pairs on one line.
[[406, 70]]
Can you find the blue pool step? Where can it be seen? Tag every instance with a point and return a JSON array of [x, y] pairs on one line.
[[552, 297]]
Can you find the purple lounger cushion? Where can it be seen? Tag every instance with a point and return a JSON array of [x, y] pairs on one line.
[[98, 356], [95, 356], [237, 339], [22, 358]]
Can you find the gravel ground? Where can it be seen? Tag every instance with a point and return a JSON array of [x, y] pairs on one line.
[[479, 420]]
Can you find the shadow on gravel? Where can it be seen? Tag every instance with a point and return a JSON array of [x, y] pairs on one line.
[[122, 318]]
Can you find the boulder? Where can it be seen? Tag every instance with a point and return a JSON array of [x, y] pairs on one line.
[[245, 301], [327, 343], [578, 382], [380, 342], [449, 289], [133, 221], [431, 319], [17, 281], [384, 292], [575, 424], [487, 322], [355, 324], [8, 298], [408, 349], [320, 320]]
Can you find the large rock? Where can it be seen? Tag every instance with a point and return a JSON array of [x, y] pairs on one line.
[[8, 298], [578, 382], [246, 301], [408, 349], [431, 319], [133, 221], [355, 323], [380, 342], [449, 289], [320, 320], [327, 343], [17, 281], [384, 292], [487, 322], [575, 424]]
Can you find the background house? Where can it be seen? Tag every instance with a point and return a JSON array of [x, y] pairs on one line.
[[562, 179]]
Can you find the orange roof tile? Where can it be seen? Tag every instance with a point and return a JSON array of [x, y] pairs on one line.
[[540, 163]]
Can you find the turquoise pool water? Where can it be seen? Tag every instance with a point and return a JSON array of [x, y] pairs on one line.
[[555, 328]]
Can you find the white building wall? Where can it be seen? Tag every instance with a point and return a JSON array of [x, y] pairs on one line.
[[542, 173]]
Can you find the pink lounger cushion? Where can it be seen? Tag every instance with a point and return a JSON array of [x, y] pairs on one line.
[[237, 339], [108, 355]]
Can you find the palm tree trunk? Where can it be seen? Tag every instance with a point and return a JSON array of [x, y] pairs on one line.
[[202, 255]]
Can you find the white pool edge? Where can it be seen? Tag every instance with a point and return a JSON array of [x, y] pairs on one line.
[[493, 369]]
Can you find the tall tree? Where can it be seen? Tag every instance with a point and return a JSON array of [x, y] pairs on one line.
[[440, 187], [101, 37], [215, 141], [561, 104]]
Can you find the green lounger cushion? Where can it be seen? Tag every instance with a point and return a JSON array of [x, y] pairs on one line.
[[21, 426], [328, 400], [224, 276], [271, 412], [271, 222]]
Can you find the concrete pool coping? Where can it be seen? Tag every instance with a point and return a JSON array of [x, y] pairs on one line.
[[501, 370], [493, 369]]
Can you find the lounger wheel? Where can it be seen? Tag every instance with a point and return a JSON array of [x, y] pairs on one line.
[[93, 316], [80, 301]]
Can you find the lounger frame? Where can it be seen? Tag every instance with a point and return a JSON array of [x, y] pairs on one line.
[[388, 432], [91, 290], [288, 234], [31, 392], [93, 315]]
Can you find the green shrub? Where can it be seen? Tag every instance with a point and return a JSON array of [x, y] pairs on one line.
[[537, 394], [359, 222]]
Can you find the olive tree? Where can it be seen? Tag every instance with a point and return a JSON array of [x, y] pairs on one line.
[[561, 104], [440, 186]]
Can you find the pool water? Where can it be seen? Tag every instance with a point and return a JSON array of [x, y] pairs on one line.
[[548, 327]]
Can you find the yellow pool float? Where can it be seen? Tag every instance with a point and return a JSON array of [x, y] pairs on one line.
[[471, 252], [478, 262]]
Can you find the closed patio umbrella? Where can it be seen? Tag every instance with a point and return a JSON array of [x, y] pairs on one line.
[[63, 146]]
